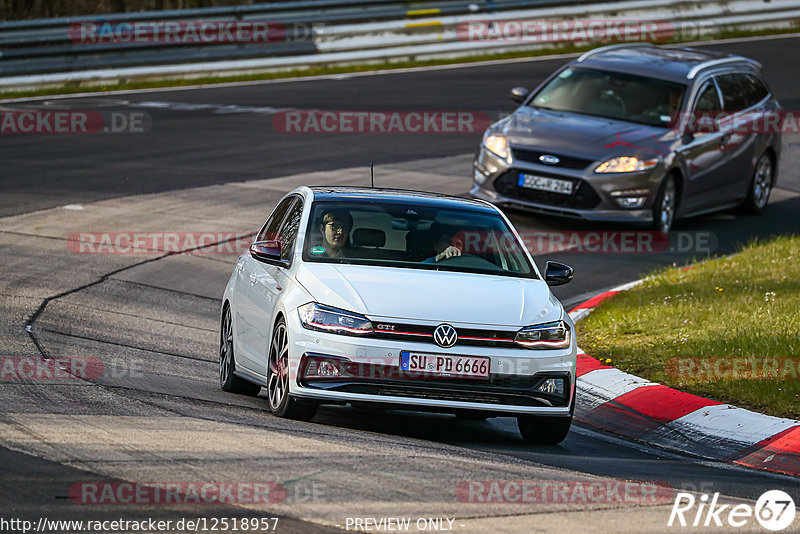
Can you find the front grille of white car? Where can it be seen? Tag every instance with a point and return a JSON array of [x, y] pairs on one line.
[[466, 336]]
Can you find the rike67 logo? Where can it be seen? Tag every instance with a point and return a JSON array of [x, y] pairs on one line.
[[774, 511]]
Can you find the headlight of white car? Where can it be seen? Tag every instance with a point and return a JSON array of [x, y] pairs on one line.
[[544, 336], [625, 164], [315, 316]]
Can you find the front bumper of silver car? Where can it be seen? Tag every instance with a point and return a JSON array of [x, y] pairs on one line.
[[594, 197]]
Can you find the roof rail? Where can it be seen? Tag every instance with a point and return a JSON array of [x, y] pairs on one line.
[[714, 62], [610, 47]]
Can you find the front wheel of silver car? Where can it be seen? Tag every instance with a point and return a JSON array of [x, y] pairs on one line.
[[665, 205], [281, 403], [760, 186], [227, 362]]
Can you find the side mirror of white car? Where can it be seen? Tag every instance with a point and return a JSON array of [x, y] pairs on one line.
[[266, 251], [557, 274]]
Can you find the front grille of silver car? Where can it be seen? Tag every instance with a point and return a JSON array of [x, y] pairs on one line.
[[565, 162]]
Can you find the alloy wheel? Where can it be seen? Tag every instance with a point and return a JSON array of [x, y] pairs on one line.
[[278, 380], [762, 182], [225, 348]]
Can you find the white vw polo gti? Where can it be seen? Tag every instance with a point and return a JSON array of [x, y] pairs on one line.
[[398, 299]]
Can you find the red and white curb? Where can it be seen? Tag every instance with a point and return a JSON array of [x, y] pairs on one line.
[[624, 404]]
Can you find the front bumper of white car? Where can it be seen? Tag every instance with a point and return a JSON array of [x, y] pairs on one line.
[[520, 381]]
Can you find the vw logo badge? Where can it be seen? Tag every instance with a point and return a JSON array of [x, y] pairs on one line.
[[445, 336], [549, 159]]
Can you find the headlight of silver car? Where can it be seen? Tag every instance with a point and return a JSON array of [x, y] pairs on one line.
[[315, 316], [497, 144], [544, 336], [625, 164]]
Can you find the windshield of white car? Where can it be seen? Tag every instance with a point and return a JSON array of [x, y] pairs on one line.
[[612, 95], [414, 236]]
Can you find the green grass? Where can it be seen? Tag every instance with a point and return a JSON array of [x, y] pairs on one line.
[[746, 307], [79, 87]]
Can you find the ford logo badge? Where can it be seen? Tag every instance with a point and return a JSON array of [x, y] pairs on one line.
[[549, 159]]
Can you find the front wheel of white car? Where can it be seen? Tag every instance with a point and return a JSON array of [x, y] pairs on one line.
[[543, 430], [281, 403]]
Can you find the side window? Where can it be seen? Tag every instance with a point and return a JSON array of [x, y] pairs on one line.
[[734, 94], [270, 230], [708, 99], [754, 88], [287, 234]]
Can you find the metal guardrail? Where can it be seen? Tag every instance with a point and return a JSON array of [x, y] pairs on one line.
[[39, 53], [45, 45]]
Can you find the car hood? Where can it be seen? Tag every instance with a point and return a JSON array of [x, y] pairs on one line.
[[583, 136], [423, 295]]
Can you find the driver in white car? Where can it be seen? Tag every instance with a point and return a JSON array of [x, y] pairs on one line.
[[335, 229], [445, 246]]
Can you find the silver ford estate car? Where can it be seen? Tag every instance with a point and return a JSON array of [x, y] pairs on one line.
[[398, 299], [636, 133]]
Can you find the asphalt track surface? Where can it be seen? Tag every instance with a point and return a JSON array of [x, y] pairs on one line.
[[215, 137]]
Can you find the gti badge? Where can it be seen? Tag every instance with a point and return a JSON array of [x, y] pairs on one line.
[[445, 336], [549, 159]]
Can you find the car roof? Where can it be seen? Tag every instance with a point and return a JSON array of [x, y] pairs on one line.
[[672, 64], [387, 195]]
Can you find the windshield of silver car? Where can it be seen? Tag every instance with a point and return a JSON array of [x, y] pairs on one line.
[[612, 95]]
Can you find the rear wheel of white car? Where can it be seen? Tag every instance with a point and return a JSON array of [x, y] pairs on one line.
[[281, 403], [227, 362], [760, 186], [544, 430]]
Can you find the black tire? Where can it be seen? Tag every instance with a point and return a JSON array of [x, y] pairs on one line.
[[542, 430], [227, 361], [281, 403], [760, 186], [665, 205]]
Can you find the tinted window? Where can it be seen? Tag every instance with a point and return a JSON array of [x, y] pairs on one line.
[[614, 95], [270, 230], [708, 99], [734, 93], [287, 234], [755, 89], [414, 236]]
